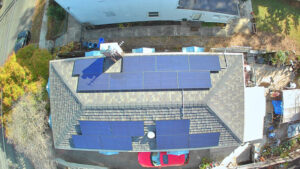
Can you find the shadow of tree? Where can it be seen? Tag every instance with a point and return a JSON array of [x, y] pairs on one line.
[[278, 17]]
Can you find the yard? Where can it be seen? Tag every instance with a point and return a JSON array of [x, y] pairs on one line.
[[278, 16]]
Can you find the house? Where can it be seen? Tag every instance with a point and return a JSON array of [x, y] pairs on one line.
[[153, 102], [102, 12]]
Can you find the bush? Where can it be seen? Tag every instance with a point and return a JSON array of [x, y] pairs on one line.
[[27, 130], [56, 12], [13, 81], [36, 61]]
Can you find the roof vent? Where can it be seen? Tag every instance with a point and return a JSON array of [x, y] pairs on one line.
[[150, 134]]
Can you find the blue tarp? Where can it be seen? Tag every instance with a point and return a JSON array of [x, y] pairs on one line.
[[277, 104], [108, 153], [93, 53]]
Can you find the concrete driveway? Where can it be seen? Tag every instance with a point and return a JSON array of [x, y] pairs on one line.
[[15, 16], [126, 160]]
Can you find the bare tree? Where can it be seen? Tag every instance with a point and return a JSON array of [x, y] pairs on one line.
[[27, 131]]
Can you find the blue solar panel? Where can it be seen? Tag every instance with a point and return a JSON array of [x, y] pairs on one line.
[[93, 82], [172, 142], [189, 80], [126, 81], [116, 143], [172, 127], [116, 128], [102, 142], [160, 80], [95, 127], [127, 128], [88, 66], [204, 140], [172, 63], [211, 63], [138, 64], [86, 142]]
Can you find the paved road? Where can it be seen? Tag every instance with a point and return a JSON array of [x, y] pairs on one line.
[[15, 15]]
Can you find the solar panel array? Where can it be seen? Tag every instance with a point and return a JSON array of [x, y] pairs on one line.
[[108, 135], [174, 134], [117, 135], [148, 73]]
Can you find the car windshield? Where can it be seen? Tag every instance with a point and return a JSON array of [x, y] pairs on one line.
[[155, 159]]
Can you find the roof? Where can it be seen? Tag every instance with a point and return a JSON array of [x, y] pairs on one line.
[[218, 109], [113, 12], [255, 110], [291, 105], [224, 6]]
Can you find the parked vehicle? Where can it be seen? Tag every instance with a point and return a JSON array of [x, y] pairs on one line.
[[1, 4], [161, 159], [22, 39]]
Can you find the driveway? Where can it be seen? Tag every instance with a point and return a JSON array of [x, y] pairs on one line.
[[15, 15], [128, 160]]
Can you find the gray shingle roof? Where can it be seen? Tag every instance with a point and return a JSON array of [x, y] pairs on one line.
[[219, 109]]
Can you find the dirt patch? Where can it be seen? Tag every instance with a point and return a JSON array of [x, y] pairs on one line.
[[37, 20], [277, 77], [268, 41]]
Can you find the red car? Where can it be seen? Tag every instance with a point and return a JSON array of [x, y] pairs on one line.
[[161, 159]]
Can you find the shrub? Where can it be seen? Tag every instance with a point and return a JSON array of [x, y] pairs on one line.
[[56, 12], [35, 60], [13, 81]]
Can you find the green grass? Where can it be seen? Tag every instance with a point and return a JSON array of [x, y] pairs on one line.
[[277, 16]]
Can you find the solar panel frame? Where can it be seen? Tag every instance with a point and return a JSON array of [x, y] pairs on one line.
[[95, 127], [127, 128], [204, 140], [172, 127]]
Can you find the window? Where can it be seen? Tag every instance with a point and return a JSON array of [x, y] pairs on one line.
[[153, 14]]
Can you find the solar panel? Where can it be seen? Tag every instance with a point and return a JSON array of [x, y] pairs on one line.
[[127, 128], [116, 143], [204, 140], [172, 142], [86, 142], [88, 66], [172, 127], [189, 80], [199, 62], [116, 128], [172, 63], [93, 83], [138, 64], [160, 80], [126, 81], [95, 127]]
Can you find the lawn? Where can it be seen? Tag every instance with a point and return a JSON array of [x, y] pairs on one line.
[[277, 16]]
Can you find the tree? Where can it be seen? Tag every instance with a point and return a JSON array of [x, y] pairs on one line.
[[28, 130]]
